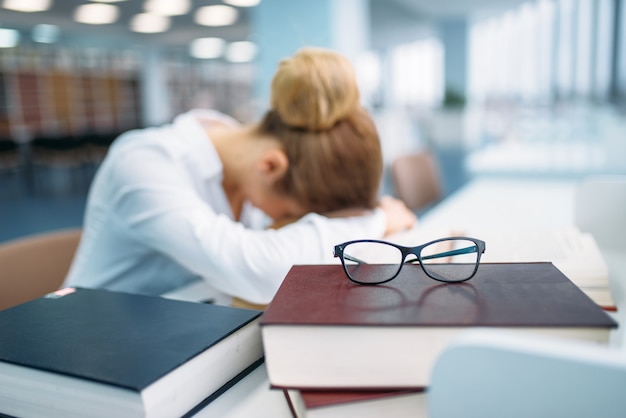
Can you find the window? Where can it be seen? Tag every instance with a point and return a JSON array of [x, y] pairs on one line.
[[417, 73]]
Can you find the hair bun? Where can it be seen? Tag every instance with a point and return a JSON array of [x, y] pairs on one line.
[[314, 89]]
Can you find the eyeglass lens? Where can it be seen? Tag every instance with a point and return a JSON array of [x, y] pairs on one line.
[[372, 262], [375, 262], [450, 260]]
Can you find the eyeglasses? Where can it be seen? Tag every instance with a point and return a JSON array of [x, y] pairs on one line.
[[449, 260]]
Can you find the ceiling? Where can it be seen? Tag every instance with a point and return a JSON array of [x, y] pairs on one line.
[[183, 28], [447, 9]]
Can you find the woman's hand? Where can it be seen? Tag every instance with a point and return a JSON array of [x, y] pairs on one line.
[[343, 213], [399, 217]]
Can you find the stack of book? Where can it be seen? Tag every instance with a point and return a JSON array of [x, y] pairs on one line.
[[356, 403], [323, 333], [86, 352]]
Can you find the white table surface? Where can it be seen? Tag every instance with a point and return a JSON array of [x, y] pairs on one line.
[[503, 203], [512, 204], [489, 202]]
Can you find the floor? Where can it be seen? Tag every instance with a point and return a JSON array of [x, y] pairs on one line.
[[44, 199], [48, 198]]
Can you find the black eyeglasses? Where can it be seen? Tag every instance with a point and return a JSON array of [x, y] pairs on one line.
[[449, 260]]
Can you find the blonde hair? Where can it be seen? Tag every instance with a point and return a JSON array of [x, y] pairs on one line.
[[331, 142], [314, 89]]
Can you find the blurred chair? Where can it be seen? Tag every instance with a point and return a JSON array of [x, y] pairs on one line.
[[416, 180], [33, 266], [600, 209], [10, 161], [494, 374], [66, 155], [98, 145]]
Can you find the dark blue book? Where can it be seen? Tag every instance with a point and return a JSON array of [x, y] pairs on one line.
[[79, 352]]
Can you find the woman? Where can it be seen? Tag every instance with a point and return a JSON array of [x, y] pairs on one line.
[[193, 200]]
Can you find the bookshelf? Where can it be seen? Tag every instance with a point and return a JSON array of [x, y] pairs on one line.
[[210, 84], [28, 92], [128, 103], [61, 93], [64, 102], [5, 124], [63, 105]]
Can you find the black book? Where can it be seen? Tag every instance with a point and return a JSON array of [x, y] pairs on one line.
[[102, 353]]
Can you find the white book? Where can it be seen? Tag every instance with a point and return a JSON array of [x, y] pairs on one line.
[[573, 252]]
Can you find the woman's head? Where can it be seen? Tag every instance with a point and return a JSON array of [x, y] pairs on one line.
[[330, 141], [314, 89]]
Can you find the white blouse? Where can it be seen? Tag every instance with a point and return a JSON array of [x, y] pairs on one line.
[[157, 218]]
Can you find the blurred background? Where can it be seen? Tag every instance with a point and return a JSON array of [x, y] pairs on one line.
[[487, 87]]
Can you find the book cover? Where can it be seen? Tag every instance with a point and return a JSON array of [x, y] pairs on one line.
[[323, 331], [120, 351], [357, 404]]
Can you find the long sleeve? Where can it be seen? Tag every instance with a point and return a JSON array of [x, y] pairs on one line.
[[158, 209], [157, 218]]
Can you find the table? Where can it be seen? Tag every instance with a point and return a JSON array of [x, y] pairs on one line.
[[488, 202], [514, 204], [500, 203]]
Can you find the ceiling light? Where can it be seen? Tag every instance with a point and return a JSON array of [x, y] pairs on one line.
[[27, 5], [45, 34], [149, 23], [167, 7], [243, 51], [9, 38], [217, 15], [205, 48], [243, 3], [96, 13]]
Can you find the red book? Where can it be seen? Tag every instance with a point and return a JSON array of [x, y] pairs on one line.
[[323, 331], [357, 404]]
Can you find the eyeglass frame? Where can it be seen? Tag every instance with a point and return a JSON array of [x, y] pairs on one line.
[[406, 251]]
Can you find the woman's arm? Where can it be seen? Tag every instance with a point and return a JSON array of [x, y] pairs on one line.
[[398, 216], [160, 209]]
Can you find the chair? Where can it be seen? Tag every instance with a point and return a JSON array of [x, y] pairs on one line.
[[416, 180], [10, 160], [600, 209], [33, 266], [490, 373], [61, 154], [98, 145]]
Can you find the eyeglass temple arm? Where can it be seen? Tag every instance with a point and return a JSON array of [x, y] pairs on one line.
[[459, 251], [354, 259]]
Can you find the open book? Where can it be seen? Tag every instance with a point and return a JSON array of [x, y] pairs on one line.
[[573, 252]]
